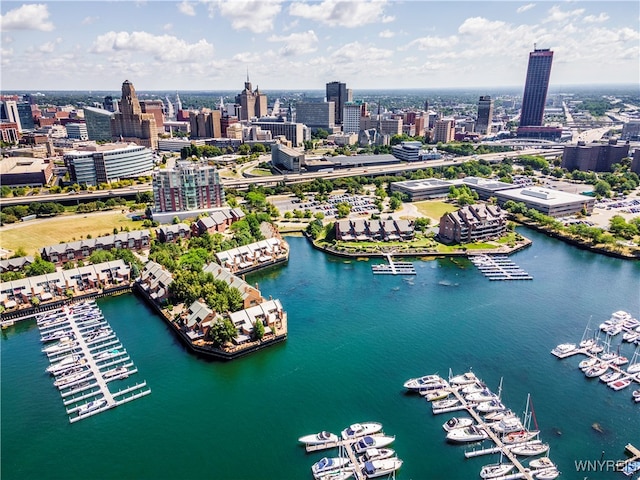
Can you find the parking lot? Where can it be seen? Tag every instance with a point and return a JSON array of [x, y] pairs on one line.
[[360, 204]]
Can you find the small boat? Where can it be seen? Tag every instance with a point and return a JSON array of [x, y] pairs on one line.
[[467, 434], [473, 388], [597, 370], [340, 474], [586, 364], [636, 395], [464, 379], [457, 422], [107, 354], [63, 364], [376, 454], [610, 377], [619, 384], [497, 415], [495, 470], [91, 406], [563, 349], [519, 437], [421, 382], [620, 360], [65, 343], [482, 396], [634, 367], [72, 377], [547, 474], [319, 438], [436, 395], [357, 430], [327, 464], [529, 450], [446, 403], [630, 337], [116, 372], [57, 335], [596, 349], [367, 442], [378, 468], [490, 406], [542, 462]]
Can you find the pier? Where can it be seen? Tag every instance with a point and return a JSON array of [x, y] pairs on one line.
[[393, 268], [92, 349], [499, 267]]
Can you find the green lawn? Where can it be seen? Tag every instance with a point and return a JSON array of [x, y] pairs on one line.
[[32, 236], [434, 209]]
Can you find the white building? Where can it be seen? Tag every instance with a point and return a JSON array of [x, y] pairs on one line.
[[351, 117], [77, 131]]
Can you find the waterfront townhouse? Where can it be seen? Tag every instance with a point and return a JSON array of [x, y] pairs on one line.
[[374, 230], [217, 221], [79, 250], [173, 233], [155, 280], [254, 255], [199, 319], [15, 264], [251, 296], [473, 223], [270, 313]]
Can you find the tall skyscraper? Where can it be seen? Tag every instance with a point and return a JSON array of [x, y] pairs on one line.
[[535, 87], [130, 124], [252, 103], [339, 94], [485, 115]]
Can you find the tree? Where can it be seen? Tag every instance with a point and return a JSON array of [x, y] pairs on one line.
[[258, 330], [244, 149], [602, 188], [234, 297], [39, 267], [395, 203], [343, 210], [100, 256], [222, 331]]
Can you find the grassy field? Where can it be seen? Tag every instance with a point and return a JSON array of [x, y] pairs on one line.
[[434, 209], [33, 235]]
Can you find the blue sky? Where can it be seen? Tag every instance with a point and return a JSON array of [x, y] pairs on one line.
[[210, 44]]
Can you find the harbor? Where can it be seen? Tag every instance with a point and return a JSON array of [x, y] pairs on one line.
[[499, 267], [393, 268], [85, 358], [490, 420]]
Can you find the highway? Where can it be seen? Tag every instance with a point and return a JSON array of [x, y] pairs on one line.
[[243, 183]]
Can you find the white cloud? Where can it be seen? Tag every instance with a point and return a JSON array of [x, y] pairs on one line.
[[386, 34], [343, 13], [356, 52], [426, 43], [186, 8], [49, 47], [167, 27], [297, 43], [89, 20], [526, 7], [165, 48], [557, 15], [27, 17], [254, 15], [603, 17]]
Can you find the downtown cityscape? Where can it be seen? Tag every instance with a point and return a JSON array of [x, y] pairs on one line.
[[263, 220]]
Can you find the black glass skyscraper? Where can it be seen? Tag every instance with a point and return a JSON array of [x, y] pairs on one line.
[[535, 88], [339, 94]]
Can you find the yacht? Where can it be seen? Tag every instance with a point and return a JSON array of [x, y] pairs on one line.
[[57, 335], [376, 454], [497, 415], [467, 434], [542, 462], [464, 379], [367, 442], [327, 464], [597, 370], [379, 468], [481, 396], [436, 395], [634, 367], [547, 474], [422, 382], [360, 430], [319, 438], [73, 376], [529, 450], [490, 406], [107, 353], [507, 424], [63, 364], [610, 377], [432, 387], [340, 474], [473, 388], [496, 470], [457, 422], [120, 372], [564, 349], [586, 364], [60, 346], [91, 406], [519, 436], [446, 403]]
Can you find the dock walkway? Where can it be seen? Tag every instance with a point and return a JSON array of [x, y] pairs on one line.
[[499, 267], [393, 268]]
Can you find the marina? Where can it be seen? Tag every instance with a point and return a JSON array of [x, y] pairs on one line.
[[499, 267], [393, 268], [519, 441], [86, 357]]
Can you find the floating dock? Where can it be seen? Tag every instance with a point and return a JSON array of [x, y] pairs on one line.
[[90, 357], [499, 267], [393, 268]]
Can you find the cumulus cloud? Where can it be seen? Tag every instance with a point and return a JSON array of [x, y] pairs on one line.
[[557, 15], [342, 13], [89, 20], [27, 17], [426, 43], [386, 34], [603, 17], [49, 47], [357, 52], [254, 15], [165, 48], [186, 8], [526, 7], [297, 43]]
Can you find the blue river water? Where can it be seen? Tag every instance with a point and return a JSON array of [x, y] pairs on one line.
[[354, 338]]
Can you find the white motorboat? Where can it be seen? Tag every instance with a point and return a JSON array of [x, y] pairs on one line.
[[481, 396], [376, 454], [63, 381], [57, 335], [464, 379], [319, 438], [490, 406], [63, 363], [496, 470], [530, 450], [368, 441], [519, 436], [446, 403], [357, 430], [327, 464], [421, 382], [432, 387], [497, 415], [610, 377], [597, 370], [619, 384], [340, 474], [467, 434], [457, 422], [507, 424], [91, 406], [61, 345], [586, 364], [563, 349], [378, 468], [107, 354], [120, 372], [473, 388], [630, 336]]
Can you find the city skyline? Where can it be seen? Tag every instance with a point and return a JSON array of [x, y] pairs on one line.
[[210, 45]]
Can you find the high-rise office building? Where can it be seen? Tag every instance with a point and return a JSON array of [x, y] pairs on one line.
[[157, 108], [187, 186], [535, 87], [485, 115], [9, 112], [339, 94], [130, 124], [205, 124], [98, 123], [351, 114], [316, 114], [252, 103], [444, 130]]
